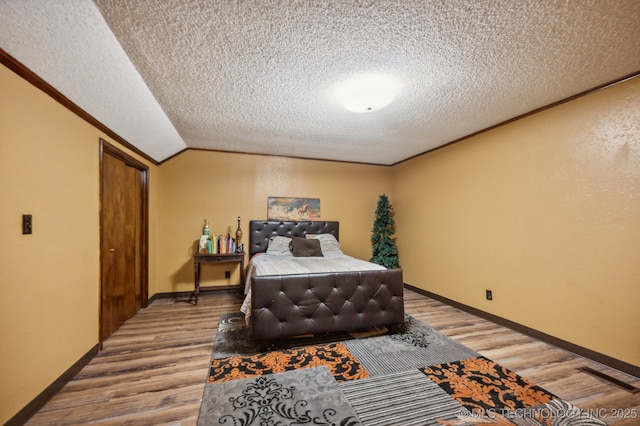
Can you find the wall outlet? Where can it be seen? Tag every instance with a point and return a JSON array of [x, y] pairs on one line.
[[27, 224], [489, 294], [227, 274]]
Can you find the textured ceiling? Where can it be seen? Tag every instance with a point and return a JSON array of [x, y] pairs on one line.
[[259, 76]]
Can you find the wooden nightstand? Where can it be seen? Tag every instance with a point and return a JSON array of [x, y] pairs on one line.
[[199, 258]]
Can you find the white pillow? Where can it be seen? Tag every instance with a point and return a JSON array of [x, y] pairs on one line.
[[279, 246], [328, 243]]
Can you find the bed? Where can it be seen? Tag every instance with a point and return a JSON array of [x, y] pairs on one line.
[[300, 297]]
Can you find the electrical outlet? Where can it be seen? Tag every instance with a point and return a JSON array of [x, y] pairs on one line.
[[227, 274], [27, 224], [489, 294]]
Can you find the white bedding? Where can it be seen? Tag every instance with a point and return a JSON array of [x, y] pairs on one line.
[[268, 264]]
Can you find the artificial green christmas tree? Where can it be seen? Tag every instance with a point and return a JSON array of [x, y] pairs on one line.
[[385, 251]]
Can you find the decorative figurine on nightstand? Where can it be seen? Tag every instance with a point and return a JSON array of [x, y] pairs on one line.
[[238, 237]]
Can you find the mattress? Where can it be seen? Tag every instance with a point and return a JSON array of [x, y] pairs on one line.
[[268, 264]]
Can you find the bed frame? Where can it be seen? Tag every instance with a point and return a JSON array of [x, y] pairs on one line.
[[290, 305]]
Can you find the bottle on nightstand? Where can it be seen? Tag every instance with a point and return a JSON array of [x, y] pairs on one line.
[[238, 237], [207, 237]]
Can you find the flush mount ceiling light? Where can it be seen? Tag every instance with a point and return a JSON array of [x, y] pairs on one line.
[[367, 93]]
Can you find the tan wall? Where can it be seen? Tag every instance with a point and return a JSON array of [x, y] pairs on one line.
[[545, 212], [223, 186], [49, 281]]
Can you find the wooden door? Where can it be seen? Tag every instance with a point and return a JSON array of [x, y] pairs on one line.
[[123, 238]]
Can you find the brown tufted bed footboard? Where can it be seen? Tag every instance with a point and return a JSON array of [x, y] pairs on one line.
[[290, 305], [297, 304]]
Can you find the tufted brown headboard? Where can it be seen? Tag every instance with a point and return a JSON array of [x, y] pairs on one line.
[[260, 231]]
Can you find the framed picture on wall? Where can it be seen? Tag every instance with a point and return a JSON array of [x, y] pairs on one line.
[[292, 209]]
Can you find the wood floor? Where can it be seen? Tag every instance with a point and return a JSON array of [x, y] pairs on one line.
[[152, 370]]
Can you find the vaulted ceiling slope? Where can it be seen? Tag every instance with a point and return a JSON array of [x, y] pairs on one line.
[[261, 76]]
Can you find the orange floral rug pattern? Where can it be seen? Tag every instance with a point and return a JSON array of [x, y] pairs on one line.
[[342, 364], [481, 386]]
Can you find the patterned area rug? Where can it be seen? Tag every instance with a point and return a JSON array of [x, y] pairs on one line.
[[415, 377]]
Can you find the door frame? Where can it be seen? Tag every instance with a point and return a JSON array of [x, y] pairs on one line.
[[110, 149]]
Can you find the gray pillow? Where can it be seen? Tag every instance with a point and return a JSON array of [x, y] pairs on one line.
[[302, 247], [328, 243], [279, 246]]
